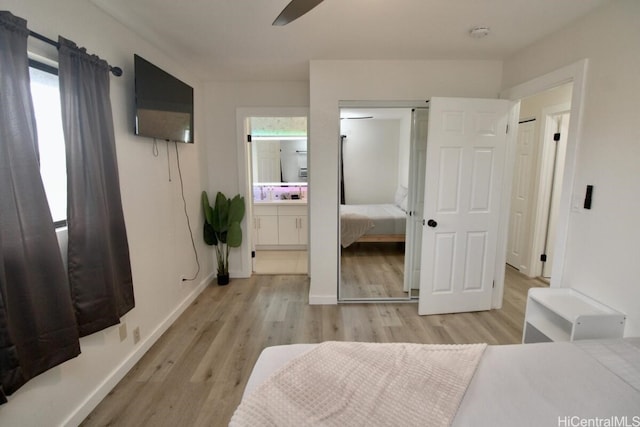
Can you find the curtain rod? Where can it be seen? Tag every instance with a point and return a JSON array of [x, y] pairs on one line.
[[116, 71]]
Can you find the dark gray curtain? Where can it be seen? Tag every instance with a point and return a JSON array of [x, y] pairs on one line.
[[37, 325], [99, 265]]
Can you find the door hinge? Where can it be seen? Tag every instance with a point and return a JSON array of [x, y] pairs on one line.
[[253, 254], [494, 284], [556, 136], [248, 138], [507, 131], [543, 257]]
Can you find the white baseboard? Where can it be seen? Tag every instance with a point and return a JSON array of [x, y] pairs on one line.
[[323, 300], [90, 403]]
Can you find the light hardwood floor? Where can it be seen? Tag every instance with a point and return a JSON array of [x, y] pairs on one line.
[[372, 270], [195, 374], [281, 262]]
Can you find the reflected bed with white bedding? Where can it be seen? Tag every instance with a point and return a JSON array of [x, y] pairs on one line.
[[543, 384], [372, 223]]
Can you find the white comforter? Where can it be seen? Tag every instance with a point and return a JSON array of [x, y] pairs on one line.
[[544, 384], [364, 384]]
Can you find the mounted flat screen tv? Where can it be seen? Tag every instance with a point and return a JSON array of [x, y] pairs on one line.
[[164, 104]]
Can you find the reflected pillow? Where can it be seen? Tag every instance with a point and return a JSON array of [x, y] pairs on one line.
[[403, 204], [400, 198]]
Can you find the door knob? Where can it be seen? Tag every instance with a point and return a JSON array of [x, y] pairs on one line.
[[431, 223]]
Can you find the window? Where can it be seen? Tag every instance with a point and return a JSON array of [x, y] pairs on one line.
[[45, 92]]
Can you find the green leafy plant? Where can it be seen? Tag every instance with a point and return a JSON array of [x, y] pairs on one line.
[[222, 226]]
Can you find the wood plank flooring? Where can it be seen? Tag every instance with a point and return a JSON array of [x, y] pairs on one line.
[[281, 262], [196, 372], [372, 270]]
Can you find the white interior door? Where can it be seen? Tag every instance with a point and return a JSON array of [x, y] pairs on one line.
[[415, 198], [466, 152], [521, 197], [556, 190], [253, 235]]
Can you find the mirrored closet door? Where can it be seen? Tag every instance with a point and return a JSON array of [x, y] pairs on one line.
[[383, 155]]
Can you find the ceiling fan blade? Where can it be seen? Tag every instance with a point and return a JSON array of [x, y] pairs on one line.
[[294, 10]]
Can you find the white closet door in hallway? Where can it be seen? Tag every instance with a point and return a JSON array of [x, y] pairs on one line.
[[521, 196]]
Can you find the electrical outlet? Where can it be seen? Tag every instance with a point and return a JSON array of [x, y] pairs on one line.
[[136, 335], [123, 332]]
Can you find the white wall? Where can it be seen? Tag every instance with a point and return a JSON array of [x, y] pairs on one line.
[[333, 81], [404, 149], [532, 106], [225, 102], [603, 243], [293, 156], [158, 237], [370, 157]]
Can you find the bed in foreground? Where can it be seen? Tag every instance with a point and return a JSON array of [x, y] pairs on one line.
[[546, 384]]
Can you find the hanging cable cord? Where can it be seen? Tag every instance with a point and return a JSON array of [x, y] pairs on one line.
[[186, 214], [154, 148], [156, 153]]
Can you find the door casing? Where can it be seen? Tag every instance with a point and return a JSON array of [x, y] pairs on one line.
[[576, 73]]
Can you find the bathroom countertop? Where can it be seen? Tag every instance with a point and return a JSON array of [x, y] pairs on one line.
[[280, 202]]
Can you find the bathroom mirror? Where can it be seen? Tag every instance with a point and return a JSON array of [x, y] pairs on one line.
[[279, 149], [279, 159]]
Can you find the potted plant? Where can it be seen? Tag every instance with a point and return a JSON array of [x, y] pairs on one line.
[[222, 229]]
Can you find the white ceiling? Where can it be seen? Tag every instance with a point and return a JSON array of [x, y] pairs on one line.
[[234, 39]]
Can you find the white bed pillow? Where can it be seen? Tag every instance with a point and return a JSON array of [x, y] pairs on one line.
[[400, 198], [403, 204]]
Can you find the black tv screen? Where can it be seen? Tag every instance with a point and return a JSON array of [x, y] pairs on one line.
[[164, 104]]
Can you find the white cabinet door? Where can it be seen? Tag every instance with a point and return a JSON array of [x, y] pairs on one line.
[[288, 230], [292, 225], [303, 230], [265, 223], [466, 152], [267, 229]]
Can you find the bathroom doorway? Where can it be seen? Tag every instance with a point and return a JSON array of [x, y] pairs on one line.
[[277, 173]]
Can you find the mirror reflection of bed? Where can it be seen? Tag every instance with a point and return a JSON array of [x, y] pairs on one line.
[[375, 148]]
